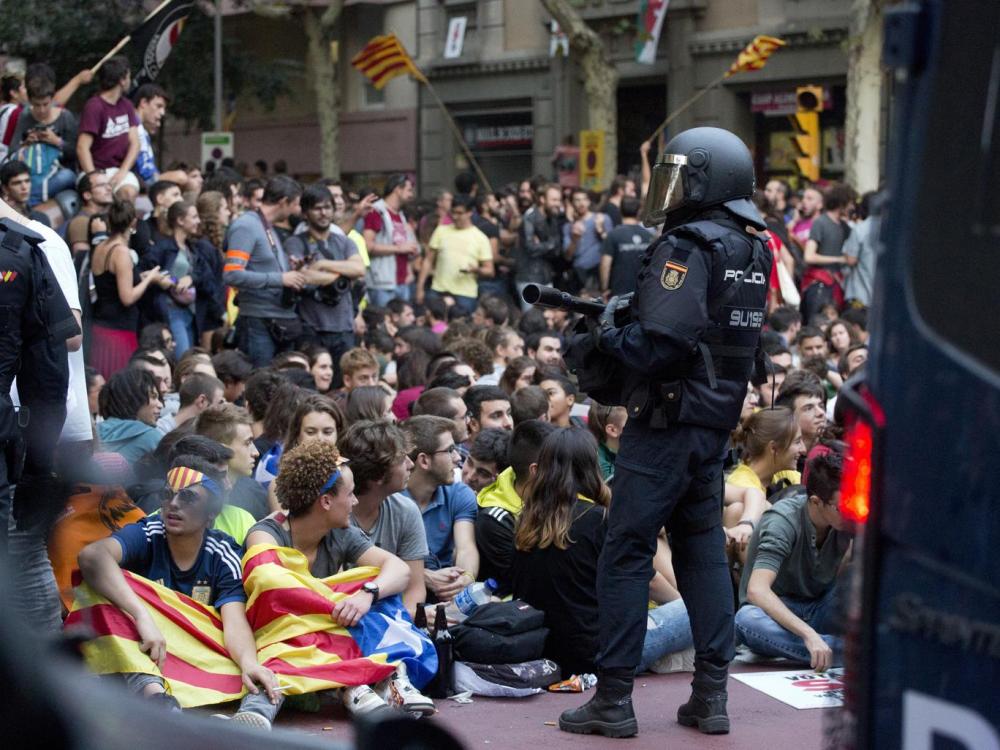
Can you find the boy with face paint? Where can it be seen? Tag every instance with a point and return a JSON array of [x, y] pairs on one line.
[[178, 549]]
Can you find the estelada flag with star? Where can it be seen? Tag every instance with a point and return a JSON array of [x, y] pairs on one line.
[[754, 55], [289, 611], [384, 58]]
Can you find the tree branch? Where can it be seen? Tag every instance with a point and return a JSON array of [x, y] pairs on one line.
[[570, 22]]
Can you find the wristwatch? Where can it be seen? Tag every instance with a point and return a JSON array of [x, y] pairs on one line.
[[371, 588]]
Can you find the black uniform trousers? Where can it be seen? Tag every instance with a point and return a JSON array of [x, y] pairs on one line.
[[666, 478]]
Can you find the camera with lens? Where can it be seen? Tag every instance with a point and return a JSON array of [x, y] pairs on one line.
[[330, 294]]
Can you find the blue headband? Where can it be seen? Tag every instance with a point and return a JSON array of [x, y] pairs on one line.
[[330, 482]]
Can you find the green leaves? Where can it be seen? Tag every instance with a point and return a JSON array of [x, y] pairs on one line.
[[71, 35]]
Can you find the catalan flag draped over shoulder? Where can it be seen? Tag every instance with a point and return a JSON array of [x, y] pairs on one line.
[[289, 612], [754, 55], [384, 58]]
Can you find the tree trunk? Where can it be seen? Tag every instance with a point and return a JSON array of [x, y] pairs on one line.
[[600, 78], [322, 70], [864, 96]]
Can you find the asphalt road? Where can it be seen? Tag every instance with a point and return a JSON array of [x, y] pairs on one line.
[[528, 723]]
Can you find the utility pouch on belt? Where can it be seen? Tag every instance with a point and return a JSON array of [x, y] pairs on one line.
[[639, 403], [668, 405]]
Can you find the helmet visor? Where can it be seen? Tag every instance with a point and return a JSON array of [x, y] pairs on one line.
[[666, 189]]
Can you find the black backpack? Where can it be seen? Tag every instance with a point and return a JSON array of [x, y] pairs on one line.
[[501, 633]]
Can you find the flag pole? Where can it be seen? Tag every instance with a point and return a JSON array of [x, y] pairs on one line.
[[114, 51], [683, 107], [458, 135], [128, 38]]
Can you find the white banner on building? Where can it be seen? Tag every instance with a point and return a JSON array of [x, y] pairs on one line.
[[650, 24], [558, 41], [456, 37]]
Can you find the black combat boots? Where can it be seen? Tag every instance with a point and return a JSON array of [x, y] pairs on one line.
[[608, 713], [706, 708]]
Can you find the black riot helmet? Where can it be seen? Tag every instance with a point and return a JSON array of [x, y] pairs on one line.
[[700, 168]]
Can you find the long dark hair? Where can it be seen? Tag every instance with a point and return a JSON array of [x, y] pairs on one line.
[[567, 469]]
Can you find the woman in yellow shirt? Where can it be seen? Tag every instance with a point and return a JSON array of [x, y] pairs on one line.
[[772, 444]]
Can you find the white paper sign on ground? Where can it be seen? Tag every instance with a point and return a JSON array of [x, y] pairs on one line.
[[799, 689]]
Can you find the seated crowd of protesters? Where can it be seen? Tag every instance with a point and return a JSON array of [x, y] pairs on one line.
[[324, 388]]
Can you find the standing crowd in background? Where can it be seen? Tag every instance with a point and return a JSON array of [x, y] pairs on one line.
[[350, 371]]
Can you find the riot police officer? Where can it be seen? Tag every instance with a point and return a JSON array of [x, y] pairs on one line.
[[37, 321], [686, 358]]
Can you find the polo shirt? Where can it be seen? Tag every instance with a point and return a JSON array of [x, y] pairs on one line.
[[449, 504]]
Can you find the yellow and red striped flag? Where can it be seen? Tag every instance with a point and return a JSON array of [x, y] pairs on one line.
[[754, 55], [198, 669], [289, 612], [384, 58]]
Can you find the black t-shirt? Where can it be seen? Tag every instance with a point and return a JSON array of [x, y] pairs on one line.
[[625, 244], [495, 542], [487, 227], [147, 234], [612, 212], [563, 584]]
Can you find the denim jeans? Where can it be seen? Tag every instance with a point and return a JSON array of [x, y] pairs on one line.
[[382, 297], [497, 287], [255, 341], [136, 682], [668, 631], [34, 593], [465, 304], [181, 322], [764, 636]]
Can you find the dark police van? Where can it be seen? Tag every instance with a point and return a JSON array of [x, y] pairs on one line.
[[923, 648]]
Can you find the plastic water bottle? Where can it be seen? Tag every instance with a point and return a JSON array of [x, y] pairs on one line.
[[473, 596]]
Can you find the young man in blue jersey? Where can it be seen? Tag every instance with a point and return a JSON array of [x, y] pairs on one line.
[[178, 549]]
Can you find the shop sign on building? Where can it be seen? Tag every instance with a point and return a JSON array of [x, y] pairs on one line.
[[498, 137], [216, 146], [782, 103], [592, 159]]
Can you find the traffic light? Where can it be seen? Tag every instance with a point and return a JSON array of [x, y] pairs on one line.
[[809, 103]]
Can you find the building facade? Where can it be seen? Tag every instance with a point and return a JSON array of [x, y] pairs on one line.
[[517, 97], [378, 129]]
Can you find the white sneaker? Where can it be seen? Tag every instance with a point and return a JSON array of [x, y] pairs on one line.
[[679, 661], [361, 699], [247, 718], [398, 692]]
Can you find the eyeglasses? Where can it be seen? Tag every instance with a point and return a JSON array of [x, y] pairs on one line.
[[186, 497], [450, 449]]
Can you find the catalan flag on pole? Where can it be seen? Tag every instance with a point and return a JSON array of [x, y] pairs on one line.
[[384, 58], [754, 55]]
